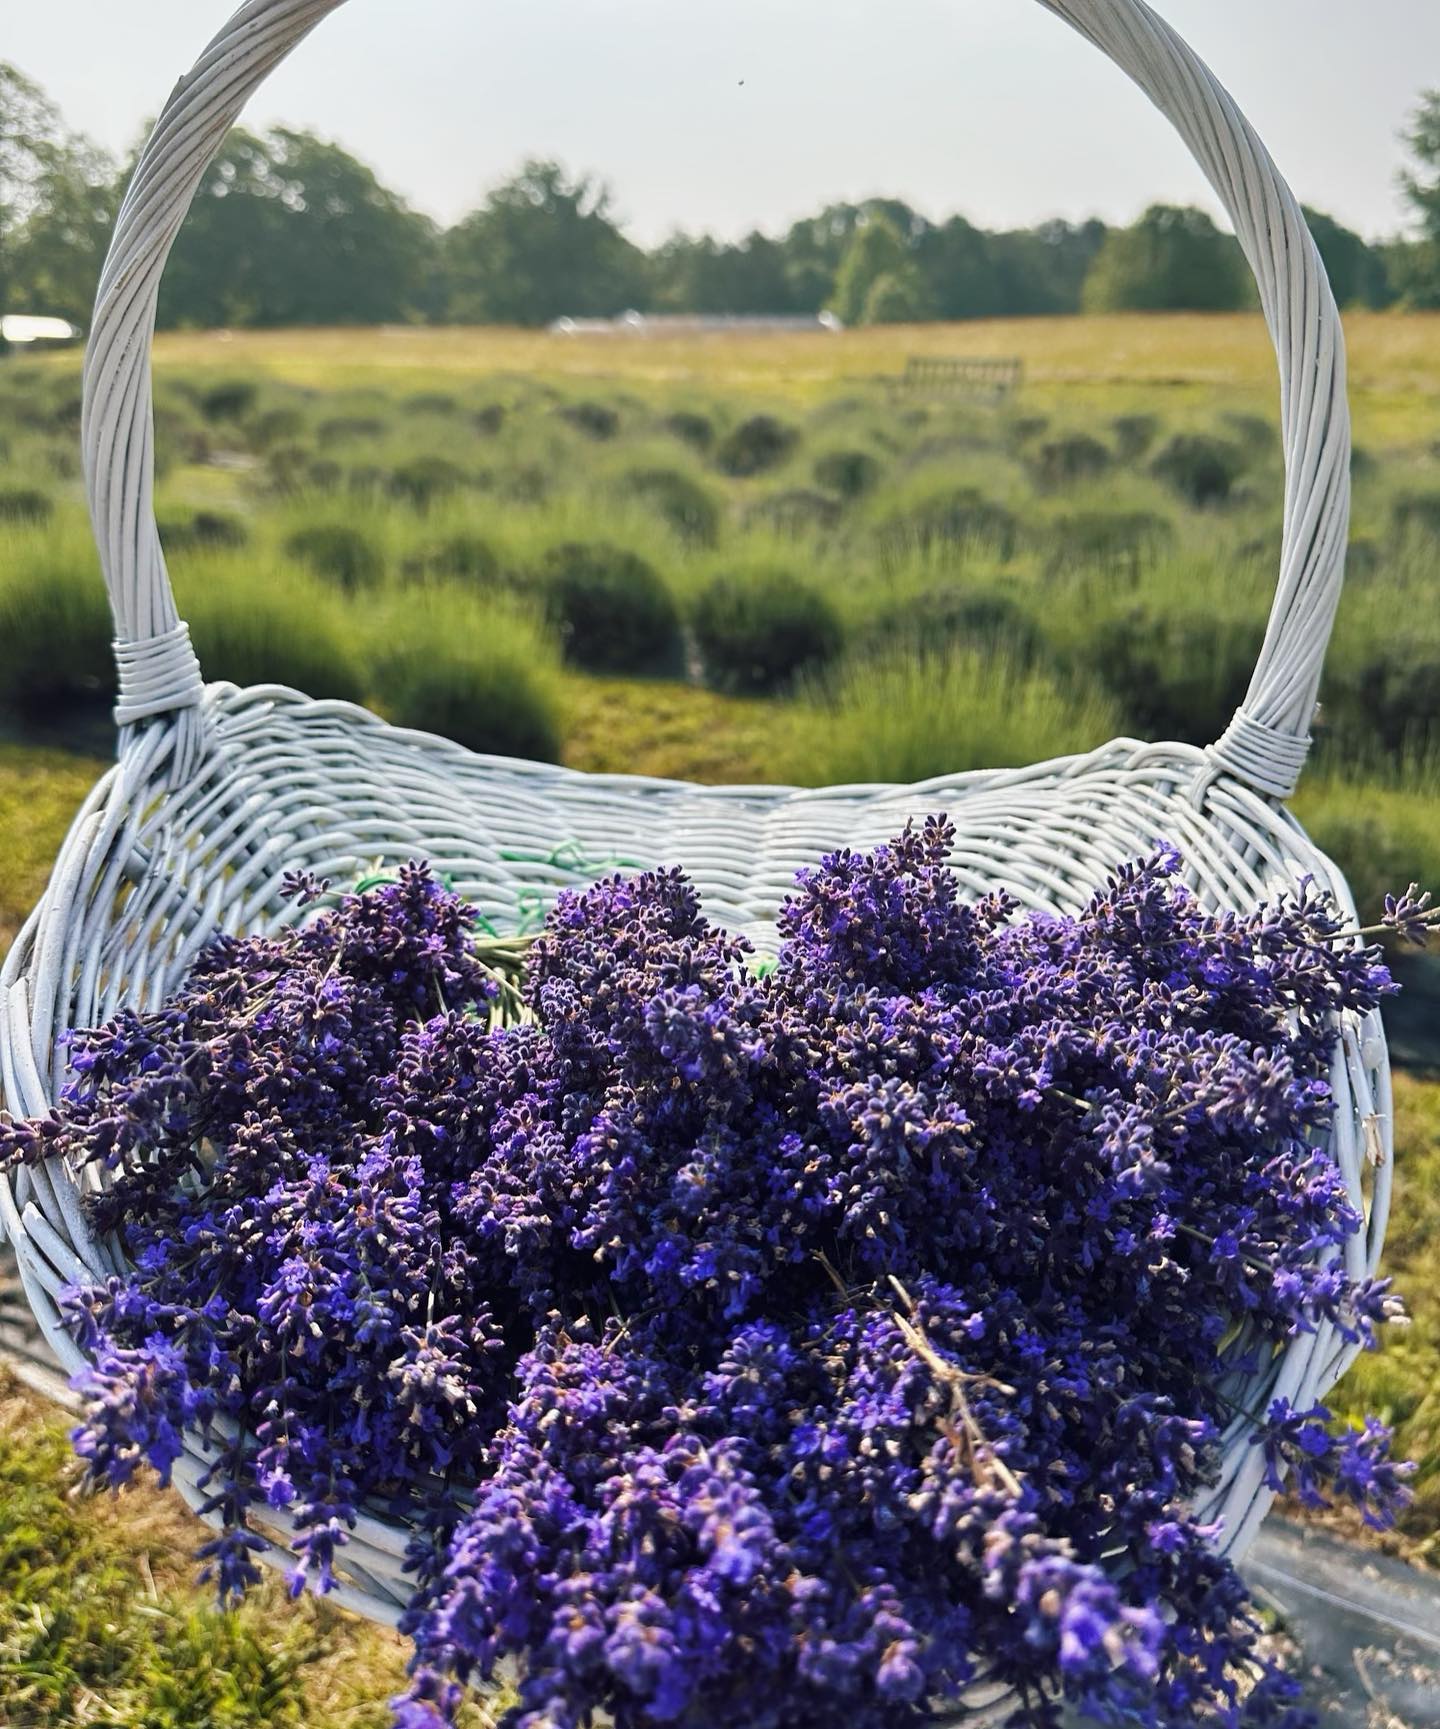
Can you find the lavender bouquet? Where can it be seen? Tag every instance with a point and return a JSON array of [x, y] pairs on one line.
[[749, 1347]]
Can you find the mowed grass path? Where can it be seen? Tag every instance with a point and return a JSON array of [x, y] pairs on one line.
[[1394, 359]]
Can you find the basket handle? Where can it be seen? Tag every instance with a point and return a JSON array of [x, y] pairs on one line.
[[1266, 743]]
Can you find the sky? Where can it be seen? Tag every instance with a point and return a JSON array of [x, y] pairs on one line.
[[728, 117]]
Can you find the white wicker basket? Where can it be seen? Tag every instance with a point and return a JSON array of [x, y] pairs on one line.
[[217, 792]]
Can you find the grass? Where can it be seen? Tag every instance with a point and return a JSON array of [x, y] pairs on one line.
[[911, 717], [55, 630], [1384, 823], [40, 791], [253, 625], [1078, 362], [101, 1620], [669, 731], [1401, 1382], [483, 675]]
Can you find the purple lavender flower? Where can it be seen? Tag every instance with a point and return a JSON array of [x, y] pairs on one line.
[[1411, 916], [748, 1347]]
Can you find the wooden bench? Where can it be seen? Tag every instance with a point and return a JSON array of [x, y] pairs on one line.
[[994, 378]]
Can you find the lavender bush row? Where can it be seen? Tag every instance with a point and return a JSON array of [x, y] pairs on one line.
[[749, 1348]]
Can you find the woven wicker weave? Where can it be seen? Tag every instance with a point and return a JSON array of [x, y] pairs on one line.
[[218, 791]]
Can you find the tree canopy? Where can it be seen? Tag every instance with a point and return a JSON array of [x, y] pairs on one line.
[[879, 280], [700, 274], [1356, 270], [57, 204], [1416, 264], [292, 229], [541, 247], [1173, 259]]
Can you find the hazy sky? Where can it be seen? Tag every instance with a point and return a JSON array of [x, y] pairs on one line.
[[749, 113]]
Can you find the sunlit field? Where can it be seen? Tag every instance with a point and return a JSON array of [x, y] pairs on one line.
[[905, 583], [1394, 358]]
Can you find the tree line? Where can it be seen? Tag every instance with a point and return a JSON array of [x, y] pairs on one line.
[[289, 228]]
